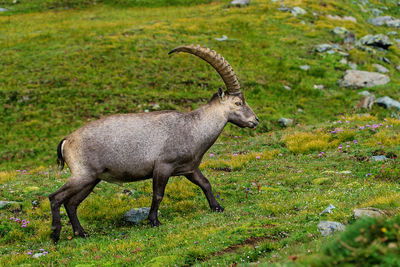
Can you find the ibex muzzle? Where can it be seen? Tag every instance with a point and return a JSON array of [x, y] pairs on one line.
[[133, 147]]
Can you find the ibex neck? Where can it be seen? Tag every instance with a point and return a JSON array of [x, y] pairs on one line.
[[209, 121]]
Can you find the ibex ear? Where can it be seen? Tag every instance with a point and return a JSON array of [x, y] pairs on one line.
[[221, 93]]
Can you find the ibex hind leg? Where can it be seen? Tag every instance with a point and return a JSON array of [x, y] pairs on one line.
[[72, 204], [69, 189]]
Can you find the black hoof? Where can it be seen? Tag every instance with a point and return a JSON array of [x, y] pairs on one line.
[[154, 223], [218, 209]]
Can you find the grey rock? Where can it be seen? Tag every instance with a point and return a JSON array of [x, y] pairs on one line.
[[350, 38], [376, 12], [398, 67], [284, 9], [388, 102], [298, 11], [4, 204], [341, 31], [380, 68], [377, 41], [305, 67], [2, 9], [364, 93], [352, 65], [136, 216], [380, 21], [328, 209], [343, 61], [368, 212], [37, 255], [392, 33], [323, 47], [223, 38], [240, 3], [379, 158], [284, 122], [319, 86], [393, 23], [360, 79], [327, 227], [346, 18], [385, 59], [287, 87]]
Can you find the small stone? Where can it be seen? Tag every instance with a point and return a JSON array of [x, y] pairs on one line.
[[136, 216], [380, 68], [323, 47], [284, 9], [350, 38], [319, 86], [345, 18], [37, 255], [343, 61], [376, 12], [392, 33], [327, 227], [385, 59], [368, 212], [352, 65], [298, 11], [305, 67], [387, 102], [240, 3], [360, 79], [341, 31], [328, 209], [398, 67], [287, 87], [2, 9], [35, 203], [223, 38], [379, 158], [364, 93], [284, 122]]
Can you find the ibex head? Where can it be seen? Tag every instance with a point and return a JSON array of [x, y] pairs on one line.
[[232, 100]]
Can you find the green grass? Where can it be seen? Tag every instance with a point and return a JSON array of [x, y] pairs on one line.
[[77, 62]]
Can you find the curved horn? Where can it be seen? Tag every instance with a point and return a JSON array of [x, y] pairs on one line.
[[217, 61]]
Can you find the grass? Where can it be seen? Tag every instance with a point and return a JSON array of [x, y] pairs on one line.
[[63, 67]]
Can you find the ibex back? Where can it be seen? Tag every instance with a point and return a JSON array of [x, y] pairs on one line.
[[133, 147]]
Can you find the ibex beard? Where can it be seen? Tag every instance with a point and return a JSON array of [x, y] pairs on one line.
[[132, 147]]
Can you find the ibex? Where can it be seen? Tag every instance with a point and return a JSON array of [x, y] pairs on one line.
[[132, 147]]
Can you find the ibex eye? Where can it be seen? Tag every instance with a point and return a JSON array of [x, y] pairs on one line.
[[238, 103]]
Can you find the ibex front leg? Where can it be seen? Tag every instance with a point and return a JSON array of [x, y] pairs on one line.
[[161, 175], [198, 178]]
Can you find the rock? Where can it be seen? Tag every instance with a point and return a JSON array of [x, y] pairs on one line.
[[366, 102], [380, 21], [4, 204], [393, 23], [223, 38], [385, 59], [360, 79], [352, 65], [380, 68], [319, 86], [398, 68], [388, 102], [37, 255], [298, 11], [287, 87], [323, 47], [376, 12], [341, 31], [348, 18], [343, 61], [136, 216], [284, 9], [392, 33], [304, 67], [368, 212], [327, 227], [328, 209], [377, 41], [364, 93], [284, 122], [240, 3], [2, 9], [379, 158]]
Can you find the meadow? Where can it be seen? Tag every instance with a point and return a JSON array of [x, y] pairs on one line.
[[64, 63]]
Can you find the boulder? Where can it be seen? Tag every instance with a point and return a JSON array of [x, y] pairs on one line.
[[341, 31], [360, 79], [284, 122], [136, 216], [380, 68], [388, 102], [377, 41], [380, 21], [298, 11], [327, 227], [368, 212], [240, 3]]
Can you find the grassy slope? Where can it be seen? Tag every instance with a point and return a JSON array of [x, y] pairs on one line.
[[62, 69]]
